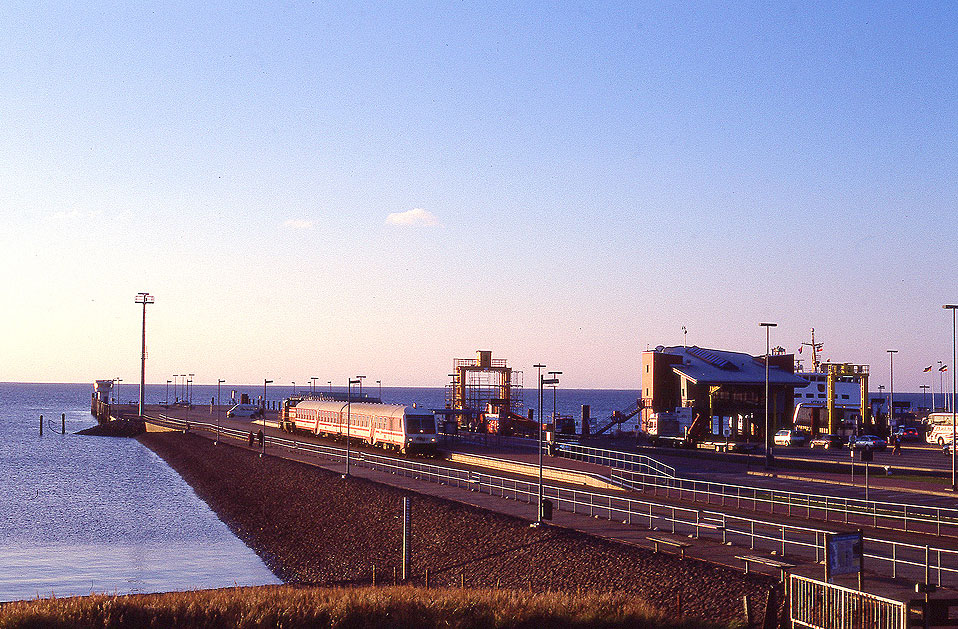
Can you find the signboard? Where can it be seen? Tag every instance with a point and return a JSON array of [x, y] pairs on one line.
[[843, 554]]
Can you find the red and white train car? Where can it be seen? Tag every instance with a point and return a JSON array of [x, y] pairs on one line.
[[392, 426]]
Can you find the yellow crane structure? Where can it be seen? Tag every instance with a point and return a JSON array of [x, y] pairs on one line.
[[834, 371]]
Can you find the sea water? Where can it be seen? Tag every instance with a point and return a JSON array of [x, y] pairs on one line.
[[99, 514]]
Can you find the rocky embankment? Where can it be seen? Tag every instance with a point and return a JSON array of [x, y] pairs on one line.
[[311, 526], [115, 428]]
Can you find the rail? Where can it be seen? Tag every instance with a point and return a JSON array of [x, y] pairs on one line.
[[818, 605], [897, 559], [615, 459], [896, 516]]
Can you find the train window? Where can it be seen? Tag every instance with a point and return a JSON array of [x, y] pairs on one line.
[[420, 423]]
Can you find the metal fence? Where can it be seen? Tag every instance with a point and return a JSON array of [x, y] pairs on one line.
[[895, 559], [929, 519], [628, 461], [642, 473], [819, 605]]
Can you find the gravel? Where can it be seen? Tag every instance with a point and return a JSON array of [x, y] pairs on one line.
[[311, 526]]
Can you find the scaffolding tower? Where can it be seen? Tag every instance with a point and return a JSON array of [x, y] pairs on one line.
[[484, 386]]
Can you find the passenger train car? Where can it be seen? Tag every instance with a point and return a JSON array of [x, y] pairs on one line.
[[391, 426]]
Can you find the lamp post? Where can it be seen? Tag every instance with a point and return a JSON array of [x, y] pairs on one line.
[[924, 395], [360, 378], [145, 299], [219, 409], [294, 387], [265, 382], [189, 391], [954, 382], [330, 383], [117, 393], [769, 455], [539, 367], [380, 383], [313, 381], [554, 386], [349, 404], [941, 386], [166, 400], [891, 387]]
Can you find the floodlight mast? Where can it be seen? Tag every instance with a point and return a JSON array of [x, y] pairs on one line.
[[143, 298]]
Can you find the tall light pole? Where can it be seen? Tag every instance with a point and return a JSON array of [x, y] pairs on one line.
[[769, 455], [349, 404], [189, 391], [539, 367], [891, 387], [924, 394], [380, 383], [313, 380], [941, 385], [360, 378], [143, 298], [554, 386], [166, 401], [294, 387], [954, 382], [219, 381], [265, 382], [330, 383], [116, 396]]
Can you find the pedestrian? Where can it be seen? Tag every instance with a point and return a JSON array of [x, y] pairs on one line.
[[896, 441], [249, 439]]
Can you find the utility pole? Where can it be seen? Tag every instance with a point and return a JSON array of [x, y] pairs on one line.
[[143, 298]]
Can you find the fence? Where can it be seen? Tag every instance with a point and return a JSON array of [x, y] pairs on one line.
[[642, 473], [895, 558], [819, 605]]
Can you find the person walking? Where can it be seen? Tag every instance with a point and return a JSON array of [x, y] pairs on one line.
[[896, 442]]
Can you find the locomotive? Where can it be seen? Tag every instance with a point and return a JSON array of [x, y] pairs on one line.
[[390, 426]]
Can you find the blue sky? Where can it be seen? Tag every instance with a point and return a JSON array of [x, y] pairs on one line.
[[595, 177]]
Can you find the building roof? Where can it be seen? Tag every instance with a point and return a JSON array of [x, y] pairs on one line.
[[715, 366]]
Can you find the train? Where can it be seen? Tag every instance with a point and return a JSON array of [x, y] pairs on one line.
[[390, 426]]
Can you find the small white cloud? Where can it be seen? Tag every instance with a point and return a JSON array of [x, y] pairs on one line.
[[410, 218], [298, 223]]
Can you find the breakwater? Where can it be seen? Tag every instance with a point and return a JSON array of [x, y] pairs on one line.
[[311, 526]]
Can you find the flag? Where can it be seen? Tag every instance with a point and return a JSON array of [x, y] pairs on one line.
[[943, 368], [927, 369], [800, 349]]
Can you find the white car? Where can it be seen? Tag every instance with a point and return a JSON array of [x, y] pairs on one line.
[[790, 438]]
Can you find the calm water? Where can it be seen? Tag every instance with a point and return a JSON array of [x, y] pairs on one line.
[[81, 514]]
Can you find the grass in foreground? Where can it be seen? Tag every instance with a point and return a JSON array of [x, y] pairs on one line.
[[340, 608]]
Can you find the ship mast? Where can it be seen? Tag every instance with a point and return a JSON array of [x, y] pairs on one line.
[[816, 347]]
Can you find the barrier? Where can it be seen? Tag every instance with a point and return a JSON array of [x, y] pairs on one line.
[[818, 605]]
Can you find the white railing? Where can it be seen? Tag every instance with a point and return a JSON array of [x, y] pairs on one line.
[[629, 461], [901, 559], [941, 521], [819, 605]]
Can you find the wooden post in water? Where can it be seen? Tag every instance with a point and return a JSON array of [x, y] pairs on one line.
[[63, 423], [41, 425]]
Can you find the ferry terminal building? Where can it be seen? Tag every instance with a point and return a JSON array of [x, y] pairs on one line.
[[728, 387]]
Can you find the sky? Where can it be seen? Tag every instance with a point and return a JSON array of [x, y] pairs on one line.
[[334, 188]]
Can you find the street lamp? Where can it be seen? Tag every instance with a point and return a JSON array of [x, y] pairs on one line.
[[941, 387], [219, 409], [349, 404], [769, 455], [313, 382], [330, 383], [891, 387], [265, 382], [954, 381], [554, 386], [116, 396], [380, 383], [539, 367], [145, 299], [360, 379], [294, 387], [924, 394], [189, 391], [166, 401]]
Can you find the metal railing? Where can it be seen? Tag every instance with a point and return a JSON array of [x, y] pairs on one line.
[[629, 461], [897, 516], [819, 605], [900, 559]]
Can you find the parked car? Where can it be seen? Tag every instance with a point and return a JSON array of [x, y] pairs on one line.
[[826, 442], [790, 438], [907, 433], [946, 448], [871, 442]]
